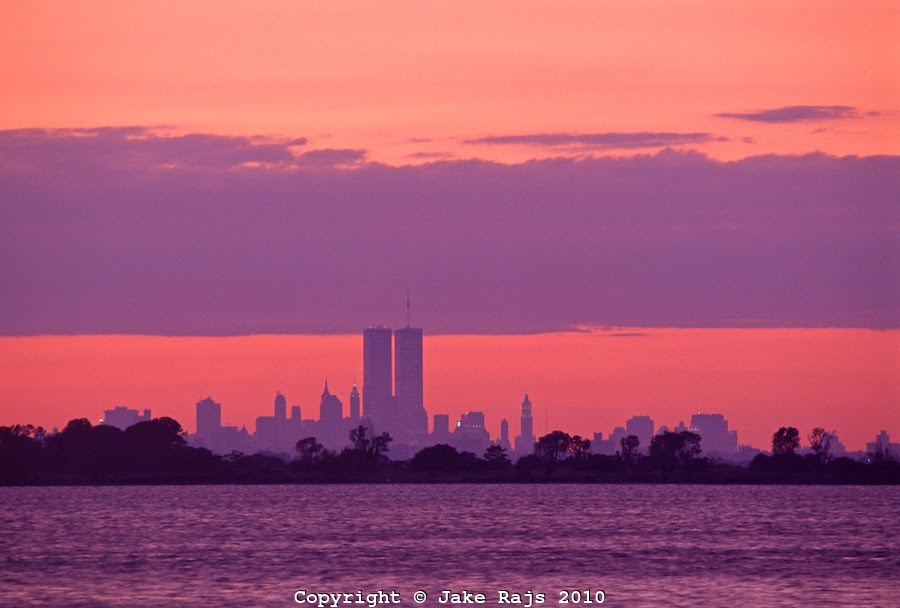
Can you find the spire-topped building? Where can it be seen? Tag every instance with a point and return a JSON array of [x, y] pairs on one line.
[[354, 405], [526, 439], [330, 409], [408, 380], [400, 411]]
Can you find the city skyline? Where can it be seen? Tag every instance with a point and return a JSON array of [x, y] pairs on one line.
[[471, 433], [587, 205], [578, 420]]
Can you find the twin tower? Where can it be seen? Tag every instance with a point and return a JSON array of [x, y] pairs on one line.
[[394, 402]]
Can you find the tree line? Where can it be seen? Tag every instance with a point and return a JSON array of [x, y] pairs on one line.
[[155, 451]]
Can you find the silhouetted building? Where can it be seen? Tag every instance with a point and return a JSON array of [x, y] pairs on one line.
[[837, 447], [378, 404], [744, 455], [715, 438], [331, 423], [642, 428], [612, 444], [470, 434], [280, 406], [213, 435], [408, 382], [526, 439], [354, 405], [209, 417], [441, 431], [278, 433], [123, 417], [503, 441], [883, 447]]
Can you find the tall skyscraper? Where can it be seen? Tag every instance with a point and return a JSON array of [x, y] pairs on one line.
[[408, 383], [209, 417], [378, 404], [526, 439], [280, 407], [354, 405]]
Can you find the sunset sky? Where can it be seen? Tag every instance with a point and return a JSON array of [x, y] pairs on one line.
[[720, 178]]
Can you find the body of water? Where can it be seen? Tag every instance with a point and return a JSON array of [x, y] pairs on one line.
[[641, 545]]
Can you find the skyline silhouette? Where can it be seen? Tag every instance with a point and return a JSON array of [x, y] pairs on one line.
[[584, 381], [392, 399]]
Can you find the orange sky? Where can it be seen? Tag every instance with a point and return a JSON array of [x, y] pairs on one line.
[[377, 75], [844, 379]]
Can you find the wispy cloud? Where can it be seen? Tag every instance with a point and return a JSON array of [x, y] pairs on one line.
[[145, 148], [787, 114], [597, 140], [332, 157], [430, 155]]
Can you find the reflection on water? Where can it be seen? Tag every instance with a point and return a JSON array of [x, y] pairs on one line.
[[257, 545]]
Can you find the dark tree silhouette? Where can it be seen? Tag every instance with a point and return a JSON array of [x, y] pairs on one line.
[[21, 453], [629, 446], [309, 451], [365, 441], [579, 448], [157, 434], [553, 446], [104, 456], [150, 445], [785, 441], [70, 448], [495, 457], [359, 437], [820, 443], [882, 455], [668, 449], [440, 457]]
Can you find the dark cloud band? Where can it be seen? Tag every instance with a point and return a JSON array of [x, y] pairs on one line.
[[124, 231], [596, 140], [788, 114]]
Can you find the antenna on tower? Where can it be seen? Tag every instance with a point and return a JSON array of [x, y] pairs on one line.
[[407, 307]]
